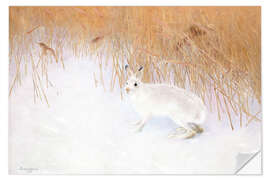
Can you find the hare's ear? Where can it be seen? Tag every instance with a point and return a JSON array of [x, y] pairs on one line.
[[139, 73], [127, 69]]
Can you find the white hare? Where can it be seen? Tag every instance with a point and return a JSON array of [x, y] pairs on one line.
[[185, 108]]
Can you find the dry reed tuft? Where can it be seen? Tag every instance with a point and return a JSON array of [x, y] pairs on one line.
[[213, 51]]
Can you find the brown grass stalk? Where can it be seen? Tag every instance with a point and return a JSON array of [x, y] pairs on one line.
[[212, 51]]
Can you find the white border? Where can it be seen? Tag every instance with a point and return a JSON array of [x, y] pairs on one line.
[[4, 89], [4, 76]]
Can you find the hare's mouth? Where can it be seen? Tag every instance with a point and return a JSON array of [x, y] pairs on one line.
[[127, 90]]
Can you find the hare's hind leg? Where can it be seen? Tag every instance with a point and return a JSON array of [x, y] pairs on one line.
[[177, 132], [183, 132], [189, 134], [186, 135], [181, 129], [195, 127]]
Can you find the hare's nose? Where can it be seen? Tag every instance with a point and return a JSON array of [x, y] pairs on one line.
[[127, 90]]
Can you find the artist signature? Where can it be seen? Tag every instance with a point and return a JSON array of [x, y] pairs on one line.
[[28, 170]]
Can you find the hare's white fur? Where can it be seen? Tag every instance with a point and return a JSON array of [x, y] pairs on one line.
[[185, 108]]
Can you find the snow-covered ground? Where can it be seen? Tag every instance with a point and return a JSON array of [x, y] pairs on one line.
[[86, 130]]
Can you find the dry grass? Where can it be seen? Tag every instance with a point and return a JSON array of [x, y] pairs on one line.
[[214, 51]]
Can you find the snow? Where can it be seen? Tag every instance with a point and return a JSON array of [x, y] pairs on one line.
[[86, 130]]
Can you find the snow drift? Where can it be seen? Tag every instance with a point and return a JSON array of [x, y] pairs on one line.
[[86, 130]]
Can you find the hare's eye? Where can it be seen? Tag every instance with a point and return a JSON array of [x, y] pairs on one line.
[[135, 84]]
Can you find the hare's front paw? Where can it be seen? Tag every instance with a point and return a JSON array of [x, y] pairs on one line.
[[138, 126], [136, 123]]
